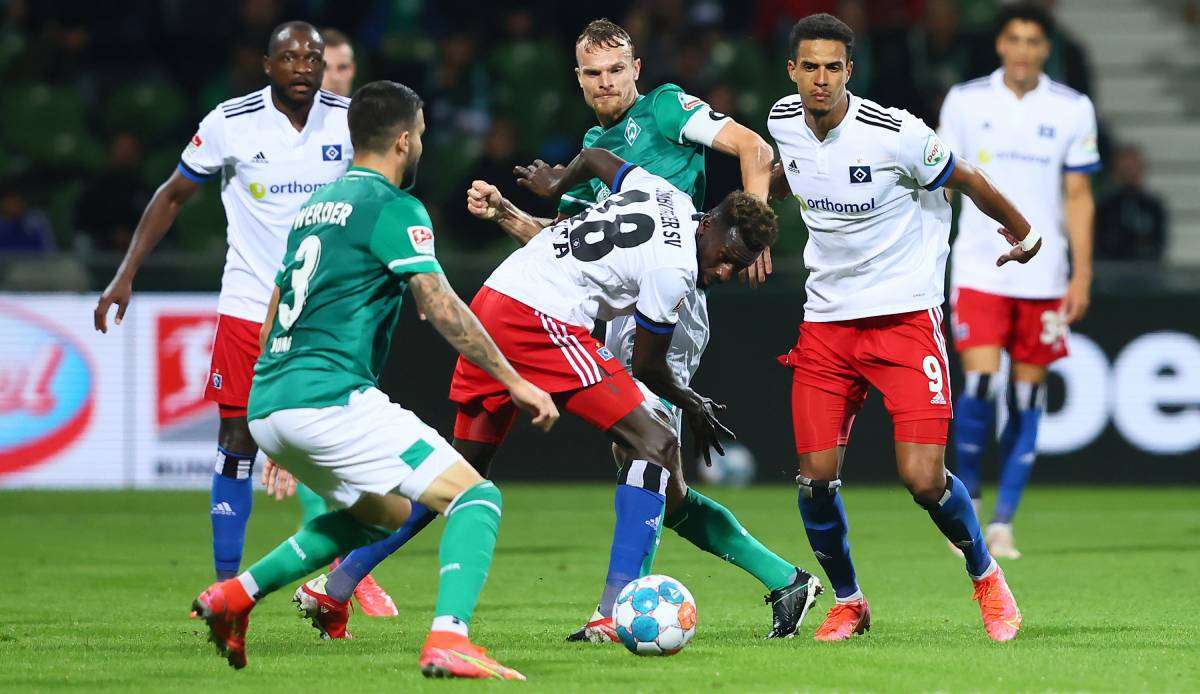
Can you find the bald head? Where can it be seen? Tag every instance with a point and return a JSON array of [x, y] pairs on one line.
[[294, 30]]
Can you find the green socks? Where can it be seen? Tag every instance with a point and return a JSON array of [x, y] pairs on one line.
[[312, 547], [711, 527], [472, 523], [311, 504]]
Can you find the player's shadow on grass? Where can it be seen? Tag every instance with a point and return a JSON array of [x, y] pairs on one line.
[[1142, 548]]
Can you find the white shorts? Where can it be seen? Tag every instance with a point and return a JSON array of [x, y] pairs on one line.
[[370, 445], [669, 414]]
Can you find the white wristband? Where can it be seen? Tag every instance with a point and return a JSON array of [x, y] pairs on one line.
[[1030, 240]]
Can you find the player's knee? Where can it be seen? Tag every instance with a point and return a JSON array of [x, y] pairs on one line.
[[662, 447], [485, 494], [234, 435], [927, 488], [817, 489]]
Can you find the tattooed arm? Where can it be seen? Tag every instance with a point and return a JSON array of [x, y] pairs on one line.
[[451, 317]]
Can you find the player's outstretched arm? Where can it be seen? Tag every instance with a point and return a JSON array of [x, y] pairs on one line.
[[552, 181], [754, 158], [1015, 229], [156, 219], [649, 365], [451, 317], [485, 202]]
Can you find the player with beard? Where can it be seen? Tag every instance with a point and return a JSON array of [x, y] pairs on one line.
[[270, 149]]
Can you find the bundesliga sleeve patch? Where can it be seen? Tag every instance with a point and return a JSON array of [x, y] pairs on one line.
[[688, 102], [422, 239], [194, 144], [935, 151]]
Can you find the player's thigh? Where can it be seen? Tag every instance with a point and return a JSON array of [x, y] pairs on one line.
[[821, 425], [905, 359], [235, 351], [368, 446], [982, 325], [1041, 333]]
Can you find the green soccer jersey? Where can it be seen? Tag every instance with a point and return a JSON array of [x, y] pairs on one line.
[[350, 253], [651, 135]]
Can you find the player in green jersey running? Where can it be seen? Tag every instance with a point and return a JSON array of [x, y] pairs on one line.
[[315, 407]]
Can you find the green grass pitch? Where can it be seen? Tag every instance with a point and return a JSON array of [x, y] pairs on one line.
[[97, 587]]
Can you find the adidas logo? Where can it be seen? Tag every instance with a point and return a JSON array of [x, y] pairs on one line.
[[938, 399], [793, 168], [223, 509], [653, 523], [259, 158]]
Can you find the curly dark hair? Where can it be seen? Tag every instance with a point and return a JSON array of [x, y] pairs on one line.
[[604, 33], [754, 219]]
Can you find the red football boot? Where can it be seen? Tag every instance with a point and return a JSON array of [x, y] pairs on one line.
[[327, 615], [446, 654], [845, 619], [1001, 618], [225, 608]]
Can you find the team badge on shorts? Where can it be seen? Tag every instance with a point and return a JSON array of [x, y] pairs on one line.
[[604, 353], [216, 380]]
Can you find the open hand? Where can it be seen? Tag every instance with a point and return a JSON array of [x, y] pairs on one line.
[[279, 482], [705, 428], [541, 178], [1017, 253]]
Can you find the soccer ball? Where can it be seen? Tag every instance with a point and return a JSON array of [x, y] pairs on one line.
[[655, 615]]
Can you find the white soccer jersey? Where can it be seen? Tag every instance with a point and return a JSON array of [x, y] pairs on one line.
[[267, 170], [634, 253], [1025, 145], [877, 231], [687, 343]]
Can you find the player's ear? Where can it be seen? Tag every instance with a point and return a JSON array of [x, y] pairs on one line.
[[637, 68], [849, 69], [402, 142], [267, 65]]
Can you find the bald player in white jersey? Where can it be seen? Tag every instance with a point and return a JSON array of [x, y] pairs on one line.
[[1036, 139], [270, 150], [868, 179]]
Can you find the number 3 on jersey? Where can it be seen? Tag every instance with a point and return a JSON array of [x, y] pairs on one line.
[[308, 255]]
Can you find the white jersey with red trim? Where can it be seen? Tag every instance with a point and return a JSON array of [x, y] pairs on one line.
[[634, 253], [878, 227], [1025, 145], [268, 170]]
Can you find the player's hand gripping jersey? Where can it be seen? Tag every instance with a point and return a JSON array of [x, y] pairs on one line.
[[635, 253], [878, 226], [268, 170]]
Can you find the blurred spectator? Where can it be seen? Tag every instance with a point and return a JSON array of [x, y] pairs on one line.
[[340, 66], [854, 14], [244, 75], [22, 229], [1131, 222], [496, 167], [458, 97], [940, 56], [112, 201]]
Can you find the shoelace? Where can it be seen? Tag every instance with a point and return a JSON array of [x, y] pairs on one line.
[[841, 607], [989, 600]]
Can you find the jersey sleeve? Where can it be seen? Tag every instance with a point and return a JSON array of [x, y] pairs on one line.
[[923, 155], [1083, 156], [403, 238], [661, 295], [583, 194], [682, 118], [205, 152]]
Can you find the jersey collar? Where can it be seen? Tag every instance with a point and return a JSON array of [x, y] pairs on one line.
[[997, 81], [837, 131], [364, 172]]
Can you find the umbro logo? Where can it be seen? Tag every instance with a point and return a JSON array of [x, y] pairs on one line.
[[792, 168], [223, 509], [860, 174], [259, 158]]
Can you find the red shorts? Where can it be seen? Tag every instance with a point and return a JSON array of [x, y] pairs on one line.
[[903, 356], [235, 349], [1032, 331], [563, 360]]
